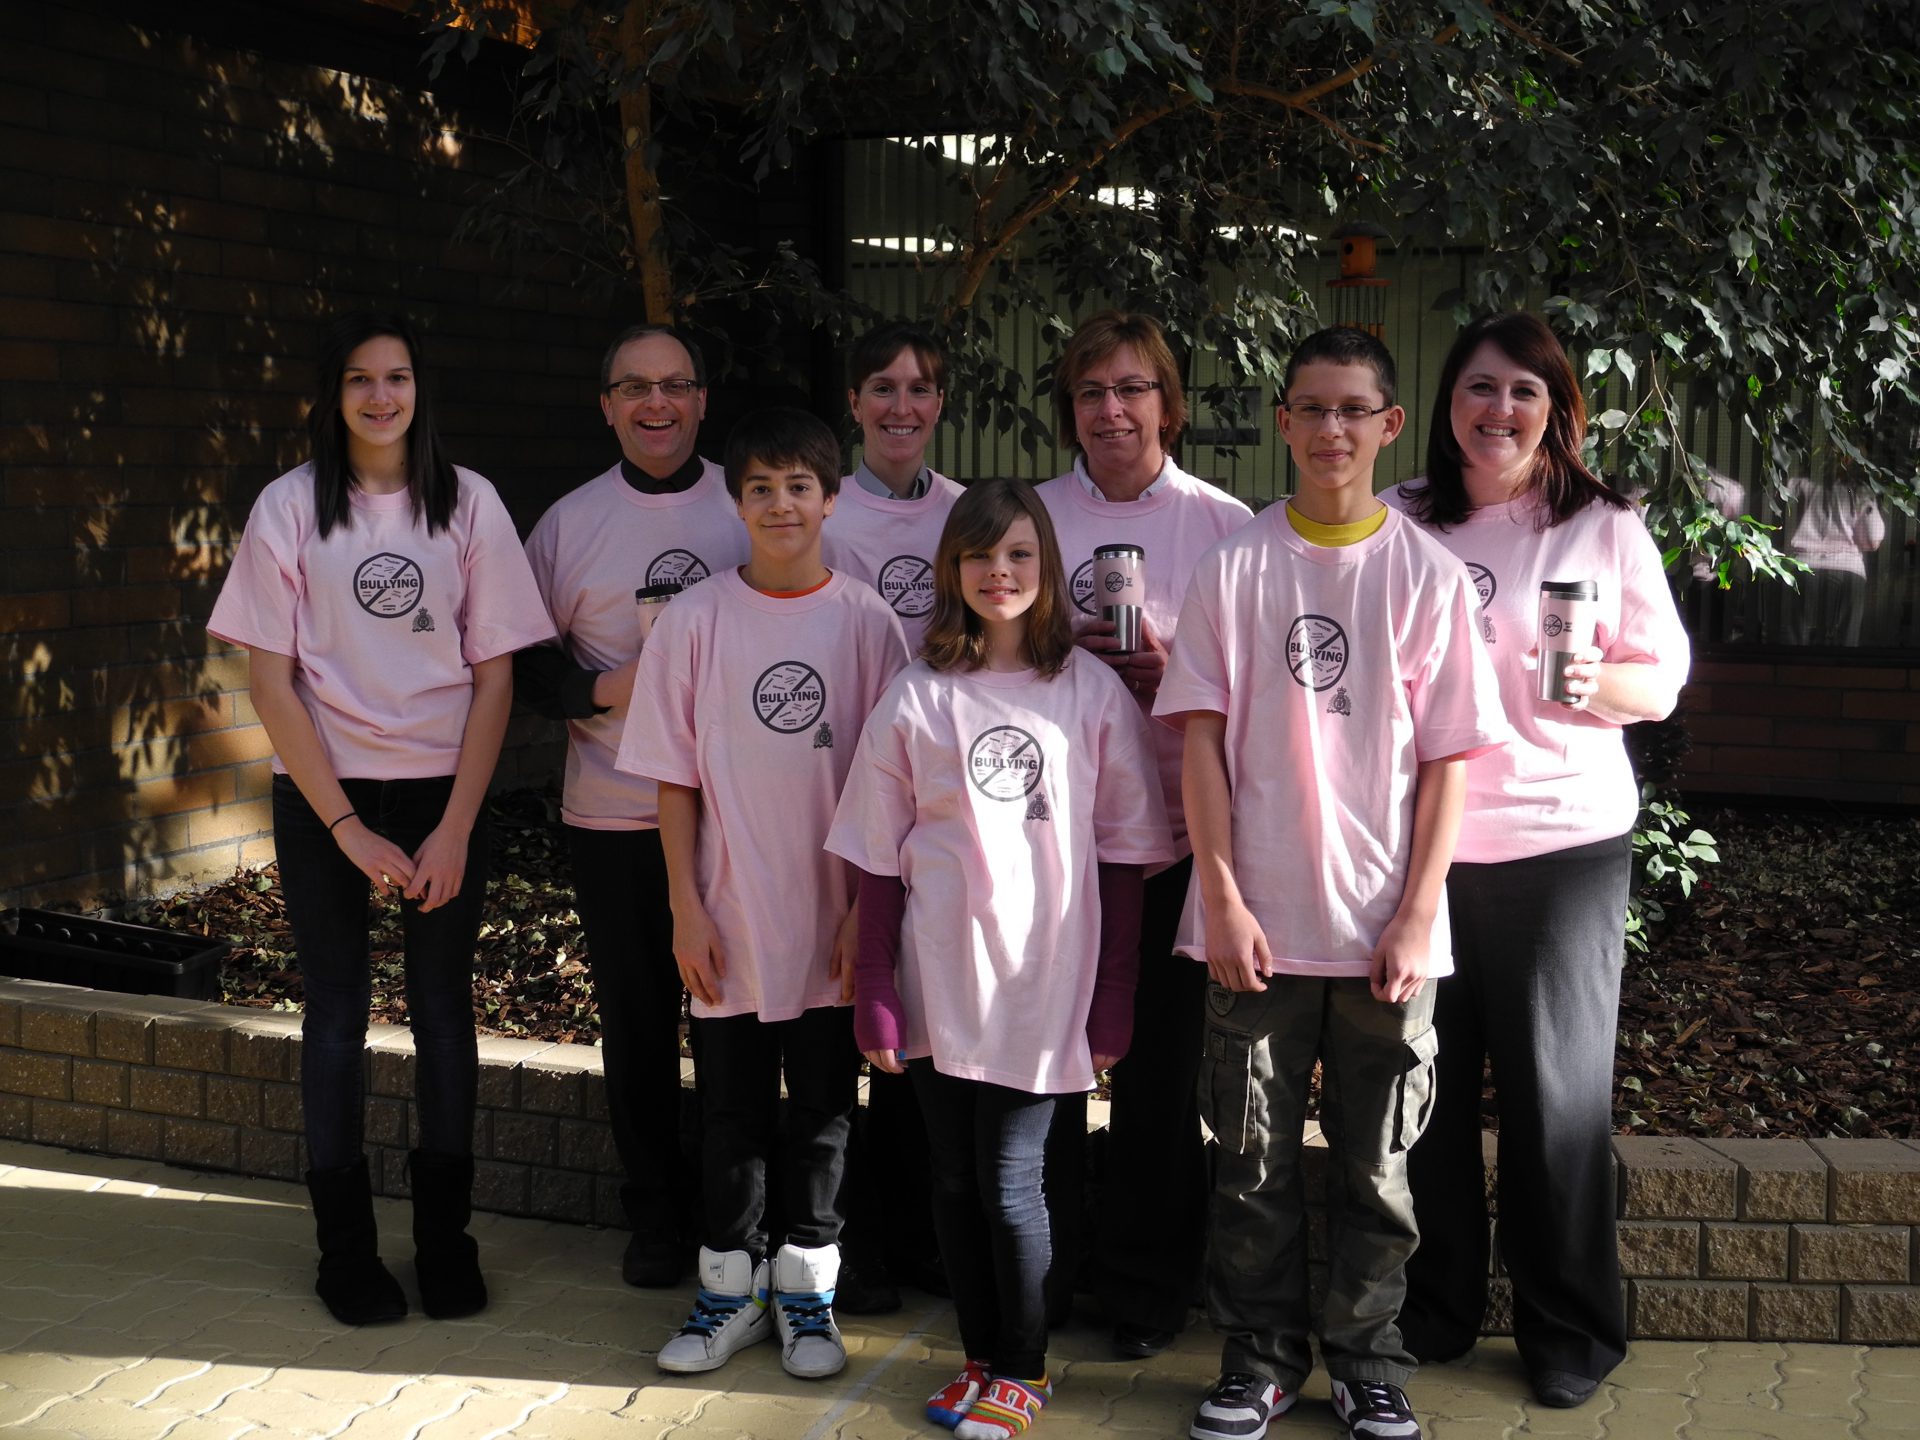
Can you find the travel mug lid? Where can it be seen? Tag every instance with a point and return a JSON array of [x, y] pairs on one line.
[[1115, 552], [1570, 589], [666, 590]]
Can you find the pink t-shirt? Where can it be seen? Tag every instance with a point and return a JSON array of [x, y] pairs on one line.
[[1339, 669], [758, 702], [1175, 526], [890, 545], [1564, 780], [994, 797], [385, 620], [590, 552]]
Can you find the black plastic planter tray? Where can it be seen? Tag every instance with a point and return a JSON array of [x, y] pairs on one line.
[[109, 955]]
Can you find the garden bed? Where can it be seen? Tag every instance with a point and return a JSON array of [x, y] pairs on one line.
[[1783, 1000]]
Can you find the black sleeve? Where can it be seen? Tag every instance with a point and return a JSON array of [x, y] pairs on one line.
[[548, 683]]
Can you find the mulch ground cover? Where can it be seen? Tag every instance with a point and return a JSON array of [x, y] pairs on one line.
[[1782, 1000]]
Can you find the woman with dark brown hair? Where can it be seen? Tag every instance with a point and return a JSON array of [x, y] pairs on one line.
[[1538, 889], [1117, 392]]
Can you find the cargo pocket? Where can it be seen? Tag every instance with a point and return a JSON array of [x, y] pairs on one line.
[[1227, 1090], [1414, 1105]]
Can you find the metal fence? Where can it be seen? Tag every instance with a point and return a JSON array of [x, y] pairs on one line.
[[901, 198]]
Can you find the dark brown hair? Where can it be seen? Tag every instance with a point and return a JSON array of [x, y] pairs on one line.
[[879, 347], [783, 435], [956, 638], [1098, 337], [431, 483], [1559, 478]]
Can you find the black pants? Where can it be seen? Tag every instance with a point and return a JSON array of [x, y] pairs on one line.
[[327, 909], [1152, 1217], [741, 1061], [1151, 1225], [1537, 949], [889, 1200], [989, 1144], [620, 884]]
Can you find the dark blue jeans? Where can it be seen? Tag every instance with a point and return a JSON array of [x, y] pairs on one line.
[[988, 1147], [327, 908]]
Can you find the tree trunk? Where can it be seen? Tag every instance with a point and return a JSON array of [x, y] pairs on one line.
[[643, 184]]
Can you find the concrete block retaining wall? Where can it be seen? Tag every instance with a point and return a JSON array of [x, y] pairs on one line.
[[1814, 1240]]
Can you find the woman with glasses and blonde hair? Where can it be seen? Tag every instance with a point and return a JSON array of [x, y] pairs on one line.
[[1121, 406]]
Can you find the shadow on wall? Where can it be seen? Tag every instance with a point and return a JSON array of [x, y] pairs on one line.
[[186, 216]]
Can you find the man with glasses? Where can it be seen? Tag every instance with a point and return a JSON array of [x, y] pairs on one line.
[[659, 518]]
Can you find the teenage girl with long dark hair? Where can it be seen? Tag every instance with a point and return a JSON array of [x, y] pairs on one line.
[[380, 592]]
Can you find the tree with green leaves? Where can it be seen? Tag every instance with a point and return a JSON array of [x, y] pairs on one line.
[[1716, 194]]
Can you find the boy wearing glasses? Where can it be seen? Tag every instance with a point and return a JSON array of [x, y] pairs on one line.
[[660, 516], [1331, 687]]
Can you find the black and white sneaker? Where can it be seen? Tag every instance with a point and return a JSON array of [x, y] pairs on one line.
[[1238, 1408], [1374, 1410]]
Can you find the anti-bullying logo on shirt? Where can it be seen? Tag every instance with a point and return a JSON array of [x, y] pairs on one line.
[[1486, 587], [387, 585], [1005, 763], [1084, 599], [677, 567], [906, 583], [1317, 652], [789, 697]]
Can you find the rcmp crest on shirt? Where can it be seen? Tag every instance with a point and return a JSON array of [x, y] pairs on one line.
[[789, 697]]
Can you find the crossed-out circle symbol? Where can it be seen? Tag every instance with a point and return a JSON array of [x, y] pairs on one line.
[[906, 583], [1317, 651], [387, 585], [676, 567], [1082, 589], [1005, 762], [789, 697]]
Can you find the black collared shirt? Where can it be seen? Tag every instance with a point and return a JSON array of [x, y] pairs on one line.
[[681, 479]]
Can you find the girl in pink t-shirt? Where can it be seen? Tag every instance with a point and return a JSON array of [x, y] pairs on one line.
[[1001, 808], [381, 593]]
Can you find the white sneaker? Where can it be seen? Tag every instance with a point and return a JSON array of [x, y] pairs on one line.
[[1374, 1410], [803, 1280], [729, 1314]]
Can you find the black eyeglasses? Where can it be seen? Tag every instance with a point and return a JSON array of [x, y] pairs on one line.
[[1090, 395], [640, 389], [1347, 414]]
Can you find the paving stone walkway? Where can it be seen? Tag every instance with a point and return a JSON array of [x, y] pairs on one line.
[[142, 1302]]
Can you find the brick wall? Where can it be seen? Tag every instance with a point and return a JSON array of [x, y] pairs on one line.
[[1806, 727], [177, 216], [1720, 1239]]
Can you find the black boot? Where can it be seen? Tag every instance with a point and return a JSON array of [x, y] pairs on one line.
[[446, 1260], [357, 1288]]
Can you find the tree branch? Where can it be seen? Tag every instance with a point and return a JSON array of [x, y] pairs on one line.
[[984, 252]]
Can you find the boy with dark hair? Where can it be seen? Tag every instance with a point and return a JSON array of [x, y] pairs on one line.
[[751, 692], [1331, 687]]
